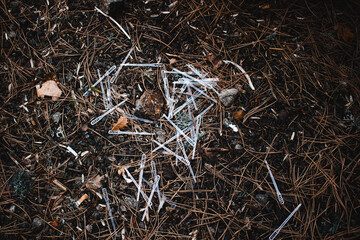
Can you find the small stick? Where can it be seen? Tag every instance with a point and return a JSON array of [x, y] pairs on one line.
[[281, 200], [96, 120], [60, 185], [276, 232], [106, 197]]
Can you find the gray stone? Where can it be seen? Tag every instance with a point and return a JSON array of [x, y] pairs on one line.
[[262, 198], [131, 202], [56, 117], [228, 96], [37, 225]]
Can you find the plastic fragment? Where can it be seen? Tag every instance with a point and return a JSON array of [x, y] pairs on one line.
[[113, 79], [276, 232], [142, 165], [106, 197], [96, 120], [278, 194], [130, 133]]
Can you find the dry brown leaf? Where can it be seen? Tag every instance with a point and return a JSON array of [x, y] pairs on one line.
[[54, 223], [94, 182], [120, 124], [239, 115], [49, 88], [344, 32], [266, 6], [151, 104]]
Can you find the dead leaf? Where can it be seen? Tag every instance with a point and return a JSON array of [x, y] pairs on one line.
[[54, 223], [239, 115], [120, 124], [94, 182], [344, 32], [266, 6], [49, 88], [151, 104]]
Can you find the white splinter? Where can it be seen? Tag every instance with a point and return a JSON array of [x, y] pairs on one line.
[[276, 232], [96, 120], [142, 165], [116, 23], [279, 196], [243, 71]]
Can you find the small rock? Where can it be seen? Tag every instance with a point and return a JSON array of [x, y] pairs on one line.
[[262, 198], [227, 96], [131, 202], [89, 228], [37, 225], [238, 147], [123, 208], [56, 117]]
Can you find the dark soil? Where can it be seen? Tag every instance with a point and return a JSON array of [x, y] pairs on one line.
[[303, 117]]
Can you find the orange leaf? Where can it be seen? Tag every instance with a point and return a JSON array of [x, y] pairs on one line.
[[54, 223], [239, 115], [266, 6], [344, 32], [121, 124]]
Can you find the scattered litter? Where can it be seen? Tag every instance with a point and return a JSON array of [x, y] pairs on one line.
[[231, 125], [276, 232], [96, 120], [106, 197], [49, 88], [70, 150], [82, 199], [278, 193]]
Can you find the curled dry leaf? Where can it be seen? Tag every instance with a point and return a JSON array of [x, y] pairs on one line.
[[120, 124], [94, 182], [344, 32], [49, 88]]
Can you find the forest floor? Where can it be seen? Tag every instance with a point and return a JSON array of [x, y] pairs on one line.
[[295, 71]]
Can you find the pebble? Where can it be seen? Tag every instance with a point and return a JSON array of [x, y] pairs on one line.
[[262, 198], [228, 96], [37, 225], [131, 202], [56, 117]]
